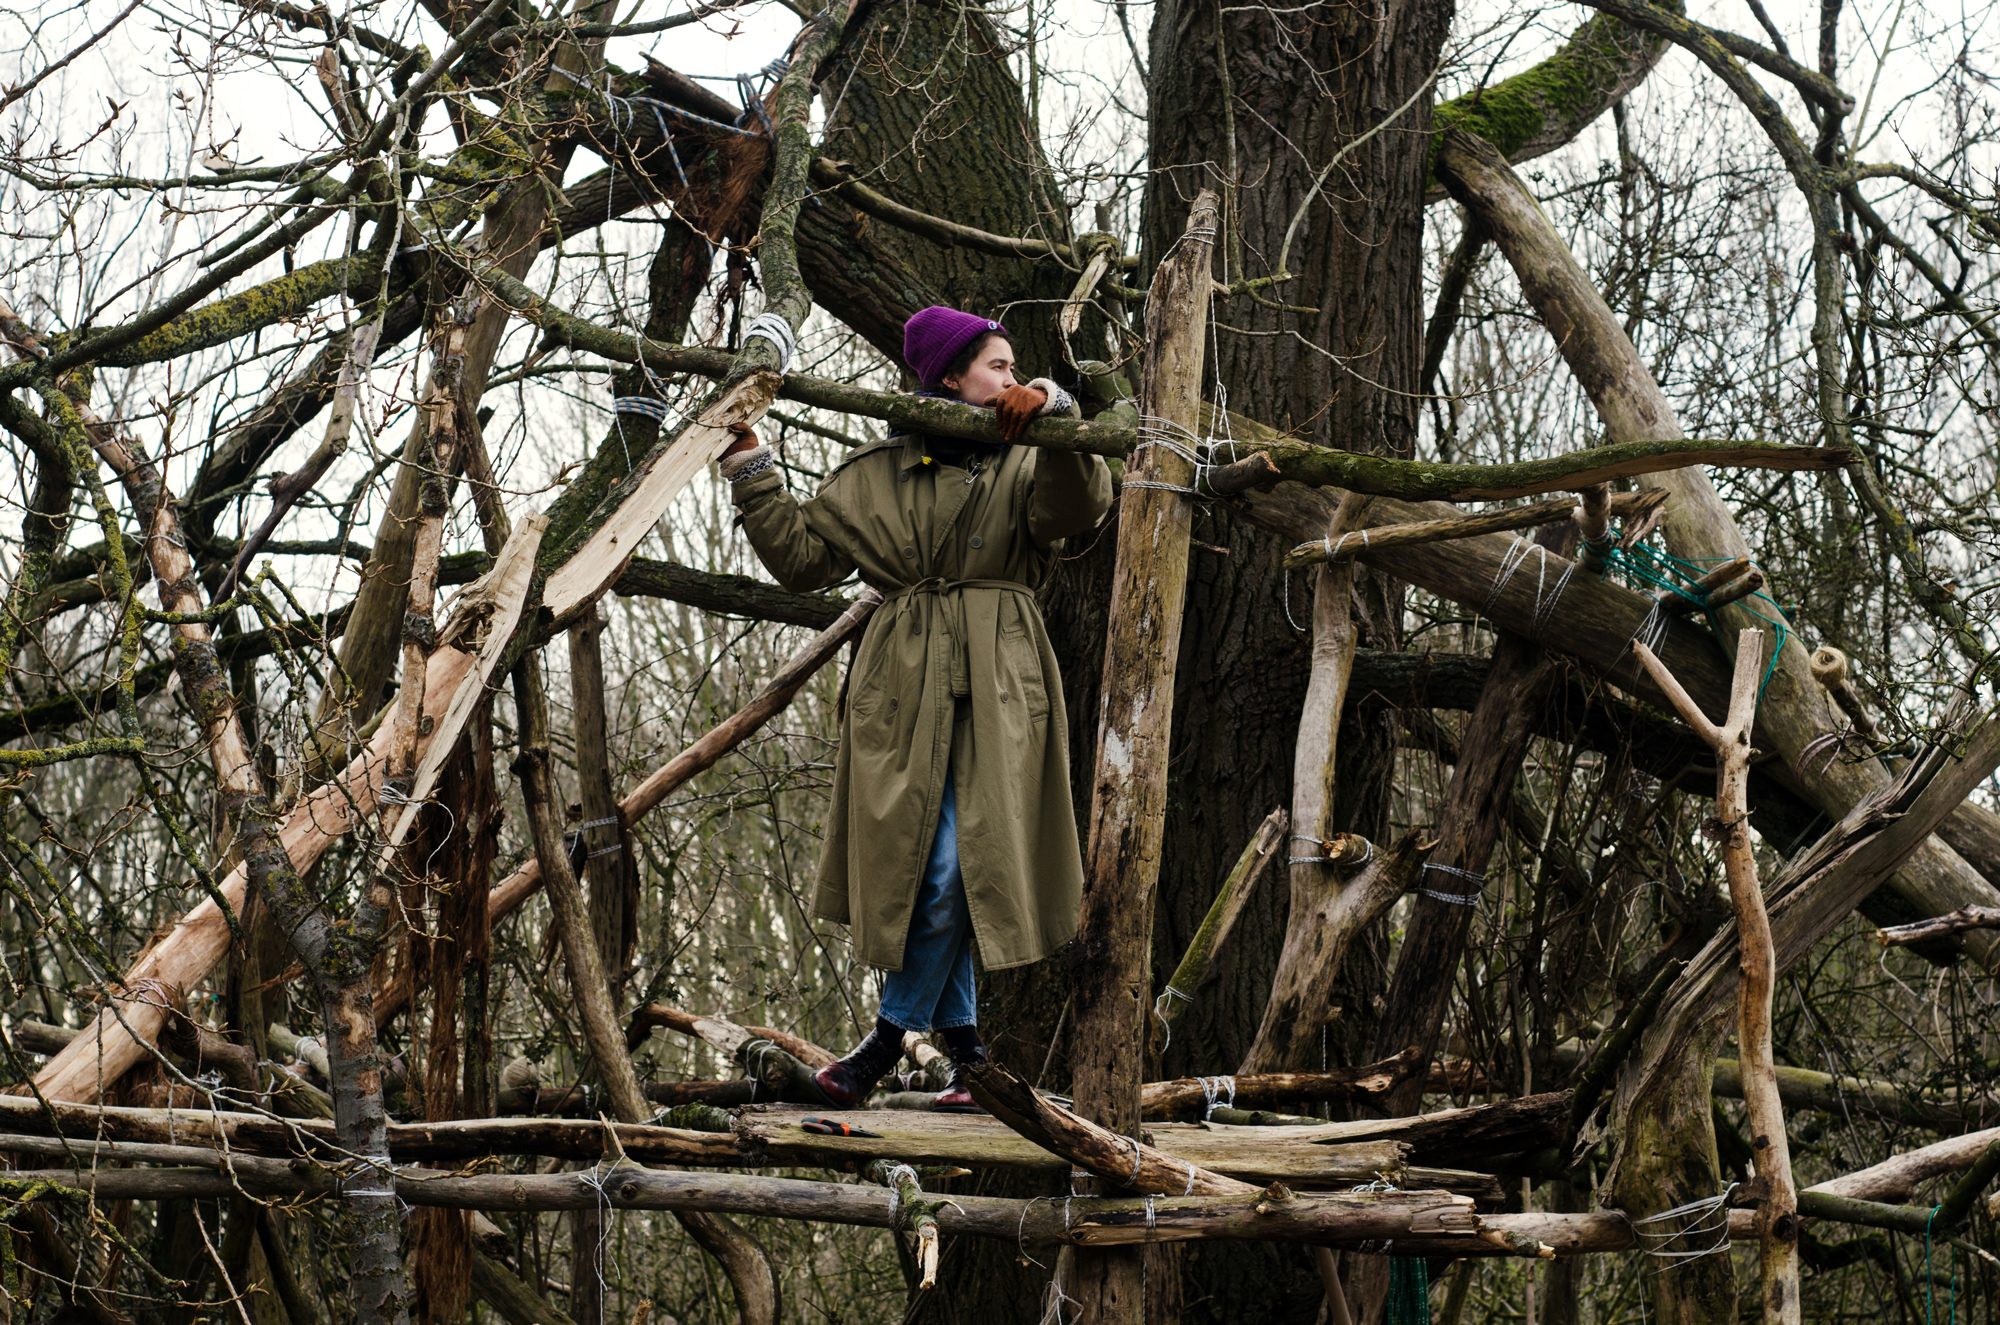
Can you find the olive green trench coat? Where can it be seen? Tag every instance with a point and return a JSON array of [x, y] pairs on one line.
[[955, 665]]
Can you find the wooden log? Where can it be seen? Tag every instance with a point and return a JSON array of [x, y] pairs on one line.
[[1177, 1099], [1898, 1177], [1622, 505], [1777, 1203], [664, 476], [1938, 927], [1118, 1159], [719, 1032], [1420, 1222], [763, 1137], [1468, 828], [1829, 668], [1198, 962], [1113, 979]]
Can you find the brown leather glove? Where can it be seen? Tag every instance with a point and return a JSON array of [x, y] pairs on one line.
[[1017, 407], [746, 439]]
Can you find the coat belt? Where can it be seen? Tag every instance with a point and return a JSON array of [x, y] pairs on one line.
[[953, 612]]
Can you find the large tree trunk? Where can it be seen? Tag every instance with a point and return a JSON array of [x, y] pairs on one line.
[[1220, 80]]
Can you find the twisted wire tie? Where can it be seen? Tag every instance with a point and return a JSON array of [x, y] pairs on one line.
[[1367, 855], [1456, 899]]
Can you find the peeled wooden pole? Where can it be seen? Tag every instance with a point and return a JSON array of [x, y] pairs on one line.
[[1113, 989], [1777, 1208]]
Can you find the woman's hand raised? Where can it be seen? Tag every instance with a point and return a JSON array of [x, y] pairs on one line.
[[1017, 407]]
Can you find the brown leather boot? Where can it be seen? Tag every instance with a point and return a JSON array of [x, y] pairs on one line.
[[846, 1083]]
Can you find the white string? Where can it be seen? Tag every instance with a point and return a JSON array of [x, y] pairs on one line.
[[1138, 1153], [1153, 430], [1212, 1089], [1652, 629], [595, 1181], [1021, 1230], [1700, 1212], [1152, 1221], [1333, 547], [770, 326], [1545, 597], [1189, 1165], [1166, 995]]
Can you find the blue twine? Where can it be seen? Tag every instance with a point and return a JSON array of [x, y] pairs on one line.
[[1646, 567]]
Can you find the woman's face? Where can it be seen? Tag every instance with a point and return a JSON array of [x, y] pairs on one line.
[[992, 372]]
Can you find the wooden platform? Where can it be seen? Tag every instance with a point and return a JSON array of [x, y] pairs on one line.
[[1301, 1157]]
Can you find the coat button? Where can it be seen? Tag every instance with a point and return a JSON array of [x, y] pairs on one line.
[[1003, 697], [892, 701], [977, 541], [910, 550]]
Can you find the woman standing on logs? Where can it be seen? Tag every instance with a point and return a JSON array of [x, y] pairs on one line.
[[951, 822]]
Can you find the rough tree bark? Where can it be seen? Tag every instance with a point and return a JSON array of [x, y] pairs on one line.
[[1112, 977]]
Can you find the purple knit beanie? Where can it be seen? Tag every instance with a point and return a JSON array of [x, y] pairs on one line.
[[935, 336]]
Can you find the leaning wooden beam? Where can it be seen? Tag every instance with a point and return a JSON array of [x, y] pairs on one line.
[[1121, 1161], [1793, 714], [1316, 942], [1897, 1178], [1198, 961], [1345, 547], [1777, 1197]]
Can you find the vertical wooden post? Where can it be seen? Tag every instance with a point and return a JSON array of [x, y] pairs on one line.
[[1777, 1196], [1113, 984]]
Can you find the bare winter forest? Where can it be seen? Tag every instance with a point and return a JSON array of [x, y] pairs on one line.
[[1532, 708]]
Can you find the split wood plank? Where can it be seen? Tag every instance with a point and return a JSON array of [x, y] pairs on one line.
[[590, 571]]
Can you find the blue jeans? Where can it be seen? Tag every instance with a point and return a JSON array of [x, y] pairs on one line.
[[935, 990]]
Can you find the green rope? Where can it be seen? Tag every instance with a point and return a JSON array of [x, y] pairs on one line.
[[1951, 1273], [1645, 568], [1409, 1292]]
